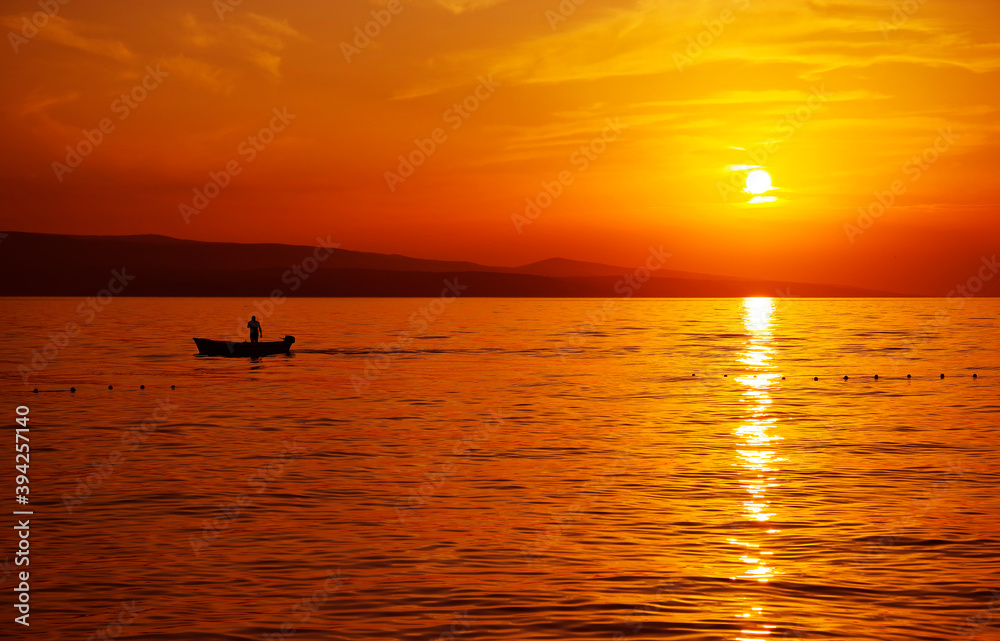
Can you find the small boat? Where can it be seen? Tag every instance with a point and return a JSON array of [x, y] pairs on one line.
[[209, 347]]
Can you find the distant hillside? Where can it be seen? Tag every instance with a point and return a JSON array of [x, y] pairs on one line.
[[62, 265], [565, 268]]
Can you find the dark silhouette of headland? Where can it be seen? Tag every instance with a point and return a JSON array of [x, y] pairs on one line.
[[35, 264]]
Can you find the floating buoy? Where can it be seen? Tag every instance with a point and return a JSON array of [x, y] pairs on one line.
[[907, 376], [142, 387], [111, 386], [815, 378], [845, 377], [171, 387], [72, 390], [975, 376], [876, 377], [36, 390], [942, 376]]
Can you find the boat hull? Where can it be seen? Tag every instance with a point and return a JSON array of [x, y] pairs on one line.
[[210, 347]]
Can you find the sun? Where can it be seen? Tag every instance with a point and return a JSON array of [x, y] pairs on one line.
[[758, 182]]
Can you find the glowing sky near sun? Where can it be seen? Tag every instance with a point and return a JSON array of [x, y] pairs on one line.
[[610, 126]]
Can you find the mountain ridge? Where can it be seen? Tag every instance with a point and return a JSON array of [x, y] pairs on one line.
[[37, 264]]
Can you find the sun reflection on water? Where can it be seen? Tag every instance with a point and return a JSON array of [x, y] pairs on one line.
[[757, 456]]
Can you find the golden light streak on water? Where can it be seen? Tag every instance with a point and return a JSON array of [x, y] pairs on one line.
[[756, 456]]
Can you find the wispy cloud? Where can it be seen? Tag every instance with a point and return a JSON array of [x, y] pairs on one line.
[[201, 73], [249, 38], [75, 34], [461, 6]]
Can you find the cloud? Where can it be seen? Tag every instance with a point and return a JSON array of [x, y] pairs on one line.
[[37, 111], [35, 105], [68, 33], [250, 38], [199, 72], [278, 27], [602, 42], [461, 6]]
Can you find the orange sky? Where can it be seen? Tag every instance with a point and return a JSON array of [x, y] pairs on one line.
[[833, 99]]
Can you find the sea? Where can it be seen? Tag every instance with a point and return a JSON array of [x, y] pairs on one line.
[[502, 469]]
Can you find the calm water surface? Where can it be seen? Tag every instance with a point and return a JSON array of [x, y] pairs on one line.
[[512, 469]]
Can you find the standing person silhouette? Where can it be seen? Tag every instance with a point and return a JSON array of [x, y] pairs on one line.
[[255, 329]]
